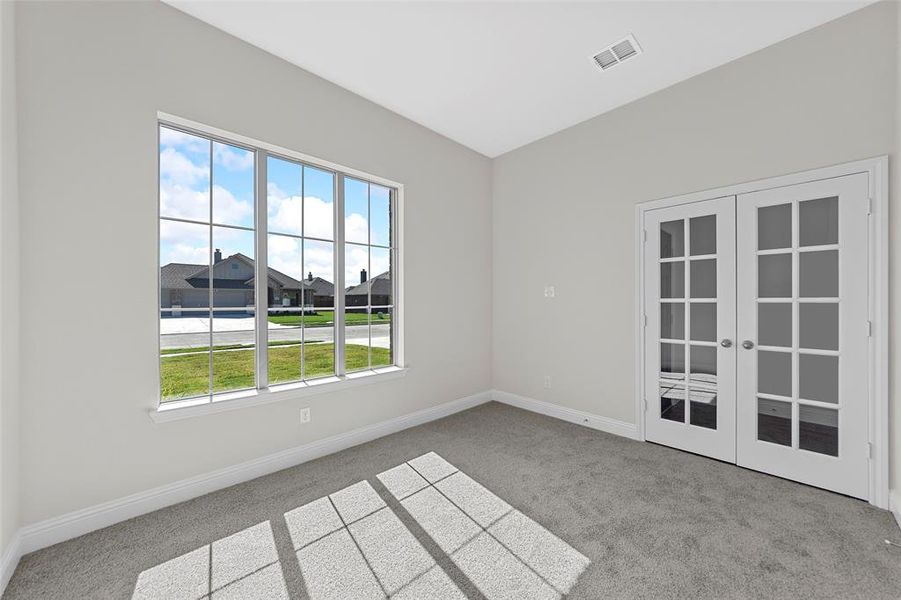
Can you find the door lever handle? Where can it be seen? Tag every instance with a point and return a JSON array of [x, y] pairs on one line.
[[747, 344], [726, 343]]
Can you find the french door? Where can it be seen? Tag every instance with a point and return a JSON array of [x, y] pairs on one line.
[[760, 355]]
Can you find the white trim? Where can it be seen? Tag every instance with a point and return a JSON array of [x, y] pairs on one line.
[[73, 524], [605, 424], [195, 407], [10, 561], [894, 502], [877, 170]]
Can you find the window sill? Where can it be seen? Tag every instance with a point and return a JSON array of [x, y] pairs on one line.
[[186, 409]]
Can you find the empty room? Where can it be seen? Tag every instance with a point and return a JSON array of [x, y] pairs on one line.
[[485, 300]]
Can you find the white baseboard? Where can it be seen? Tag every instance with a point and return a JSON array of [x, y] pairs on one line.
[[10, 560], [58, 529], [606, 424], [894, 505]]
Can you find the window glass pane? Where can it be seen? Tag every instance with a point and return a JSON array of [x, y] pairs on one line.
[[672, 361], [356, 339], [356, 275], [819, 274], [774, 276], [703, 321], [318, 203], [703, 278], [672, 320], [319, 317], [774, 422], [672, 280], [184, 176], [774, 324], [380, 215], [285, 272], [672, 239], [319, 353], [703, 235], [703, 364], [233, 268], [233, 176], [818, 377], [380, 292], [381, 326], [818, 429], [818, 221], [703, 407], [672, 402], [184, 266], [184, 372], [356, 210], [819, 326], [234, 358], [774, 227], [774, 373], [284, 196], [284, 347]]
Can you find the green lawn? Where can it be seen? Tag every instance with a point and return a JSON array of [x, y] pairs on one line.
[[187, 375], [327, 317]]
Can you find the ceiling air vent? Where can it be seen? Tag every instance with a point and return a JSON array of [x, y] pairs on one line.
[[617, 53]]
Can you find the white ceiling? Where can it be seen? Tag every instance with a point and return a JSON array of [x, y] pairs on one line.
[[497, 75]]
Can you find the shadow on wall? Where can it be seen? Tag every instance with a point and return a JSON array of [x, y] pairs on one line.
[[351, 544]]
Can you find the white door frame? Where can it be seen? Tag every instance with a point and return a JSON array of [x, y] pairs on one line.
[[878, 392]]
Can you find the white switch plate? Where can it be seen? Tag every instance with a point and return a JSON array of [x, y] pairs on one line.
[[549, 291], [305, 415]]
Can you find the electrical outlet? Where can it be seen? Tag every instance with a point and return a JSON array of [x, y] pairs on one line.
[[549, 291], [305, 415], [547, 382]]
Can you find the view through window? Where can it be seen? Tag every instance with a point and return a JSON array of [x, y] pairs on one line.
[[212, 315]]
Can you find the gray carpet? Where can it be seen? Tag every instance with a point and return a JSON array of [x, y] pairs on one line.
[[653, 522]]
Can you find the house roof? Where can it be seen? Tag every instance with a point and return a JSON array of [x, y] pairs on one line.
[[380, 284], [320, 286], [191, 276]]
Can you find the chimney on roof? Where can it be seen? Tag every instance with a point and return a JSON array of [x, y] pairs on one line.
[[310, 276], [362, 275], [217, 256]]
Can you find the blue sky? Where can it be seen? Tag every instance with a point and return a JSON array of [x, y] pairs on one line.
[[300, 202]]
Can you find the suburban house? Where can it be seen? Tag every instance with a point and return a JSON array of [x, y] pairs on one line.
[[379, 288], [186, 285]]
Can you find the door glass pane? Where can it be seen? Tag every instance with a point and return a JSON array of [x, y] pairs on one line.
[[774, 421], [819, 274], [818, 221], [672, 402], [774, 276], [703, 364], [703, 278], [774, 227], [702, 231], [818, 429], [672, 239], [774, 373], [703, 407], [818, 378], [774, 324], [703, 321], [672, 280], [819, 326], [672, 320], [672, 361]]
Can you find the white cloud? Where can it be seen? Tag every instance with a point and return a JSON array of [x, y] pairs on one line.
[[229, 210], [234, 159], [177, 169], [186, 253], [356, 229]]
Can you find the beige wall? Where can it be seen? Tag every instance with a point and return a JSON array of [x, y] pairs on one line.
[[9, 283], [92, 77], [895, 266], [564, 207]]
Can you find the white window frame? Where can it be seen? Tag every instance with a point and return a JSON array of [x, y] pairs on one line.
[[263, 393]]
